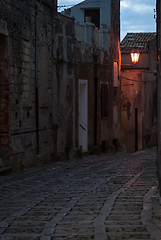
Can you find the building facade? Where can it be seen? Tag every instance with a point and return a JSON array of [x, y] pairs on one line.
[[59, 88], [97, 63], [26, 36], [139, 92]]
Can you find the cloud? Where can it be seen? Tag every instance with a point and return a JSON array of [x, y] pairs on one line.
[[138, 6], [125, 4], [137, 16], [142, 8]]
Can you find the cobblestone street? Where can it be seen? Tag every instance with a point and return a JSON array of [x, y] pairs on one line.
[[113, 196]]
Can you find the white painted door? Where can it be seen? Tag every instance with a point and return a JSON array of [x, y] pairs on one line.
[[83, 115]]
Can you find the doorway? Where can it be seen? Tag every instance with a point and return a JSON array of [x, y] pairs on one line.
[[83, 115]]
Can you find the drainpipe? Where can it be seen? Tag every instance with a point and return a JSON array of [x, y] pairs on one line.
[[95, 57], [158, 93], [95, 111], [37, 6]]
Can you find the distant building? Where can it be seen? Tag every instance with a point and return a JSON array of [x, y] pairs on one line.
[[96, 12], [95, 17], [139, 92]]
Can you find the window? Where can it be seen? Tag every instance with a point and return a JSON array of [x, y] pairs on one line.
[[104, 100], [94, 15]]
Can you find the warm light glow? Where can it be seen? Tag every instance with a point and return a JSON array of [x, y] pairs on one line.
[[135, 57]]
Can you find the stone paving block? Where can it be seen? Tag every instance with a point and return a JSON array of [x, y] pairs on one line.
[[32, 218], [75, 237], [126, 228], [97, 196], [73, 230], [18, 237], [129, 235], [123, 221], [25, 230], [125, 218], [28, 224]]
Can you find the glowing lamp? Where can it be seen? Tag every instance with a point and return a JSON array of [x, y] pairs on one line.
[[135, 56]]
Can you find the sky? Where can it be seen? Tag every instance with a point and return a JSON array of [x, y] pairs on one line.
[[135, 15]]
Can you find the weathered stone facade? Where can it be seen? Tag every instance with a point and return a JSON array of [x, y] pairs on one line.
[[41, 65], [93, 60], [27, 81]]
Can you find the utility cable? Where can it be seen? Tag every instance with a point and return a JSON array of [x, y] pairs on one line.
[[63, 6], [129, 79]]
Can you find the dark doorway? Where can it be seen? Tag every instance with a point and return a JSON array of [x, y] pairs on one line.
[[94, 15]]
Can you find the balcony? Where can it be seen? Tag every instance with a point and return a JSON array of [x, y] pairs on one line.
[[88, 34]]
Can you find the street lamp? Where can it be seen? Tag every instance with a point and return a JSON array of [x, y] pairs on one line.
[[135, 56]]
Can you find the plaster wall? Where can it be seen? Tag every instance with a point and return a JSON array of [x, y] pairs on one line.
[[88, 63], [139, 95], [143, 62], [131, 99]]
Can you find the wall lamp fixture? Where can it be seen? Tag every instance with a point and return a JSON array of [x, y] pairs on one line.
[[135, 56]]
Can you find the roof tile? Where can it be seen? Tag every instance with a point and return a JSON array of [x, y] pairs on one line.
[[138, 41]]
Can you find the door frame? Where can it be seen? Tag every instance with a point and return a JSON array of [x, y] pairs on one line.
[[83, 115]]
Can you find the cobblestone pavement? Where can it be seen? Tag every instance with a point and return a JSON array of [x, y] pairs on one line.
[[113, 196]]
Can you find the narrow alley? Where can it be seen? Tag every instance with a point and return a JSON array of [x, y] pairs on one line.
[[112, 196]]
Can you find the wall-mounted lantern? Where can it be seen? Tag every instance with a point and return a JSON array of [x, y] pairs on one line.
[[135, 56]]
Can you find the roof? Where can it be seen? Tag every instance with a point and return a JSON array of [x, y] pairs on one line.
[[137, 41]]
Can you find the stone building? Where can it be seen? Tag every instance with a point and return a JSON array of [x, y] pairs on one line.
[[59, 94], [139, 92], [96, 63], [26, 37]]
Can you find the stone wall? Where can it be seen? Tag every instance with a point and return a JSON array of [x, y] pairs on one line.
[[4, 99], [44, 63], [77, 60], [139, 100], [30, 37]]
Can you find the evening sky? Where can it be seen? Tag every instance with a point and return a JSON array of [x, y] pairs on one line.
[[135, 15]]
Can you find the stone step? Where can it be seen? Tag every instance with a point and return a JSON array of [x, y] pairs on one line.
[[5, 170]]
